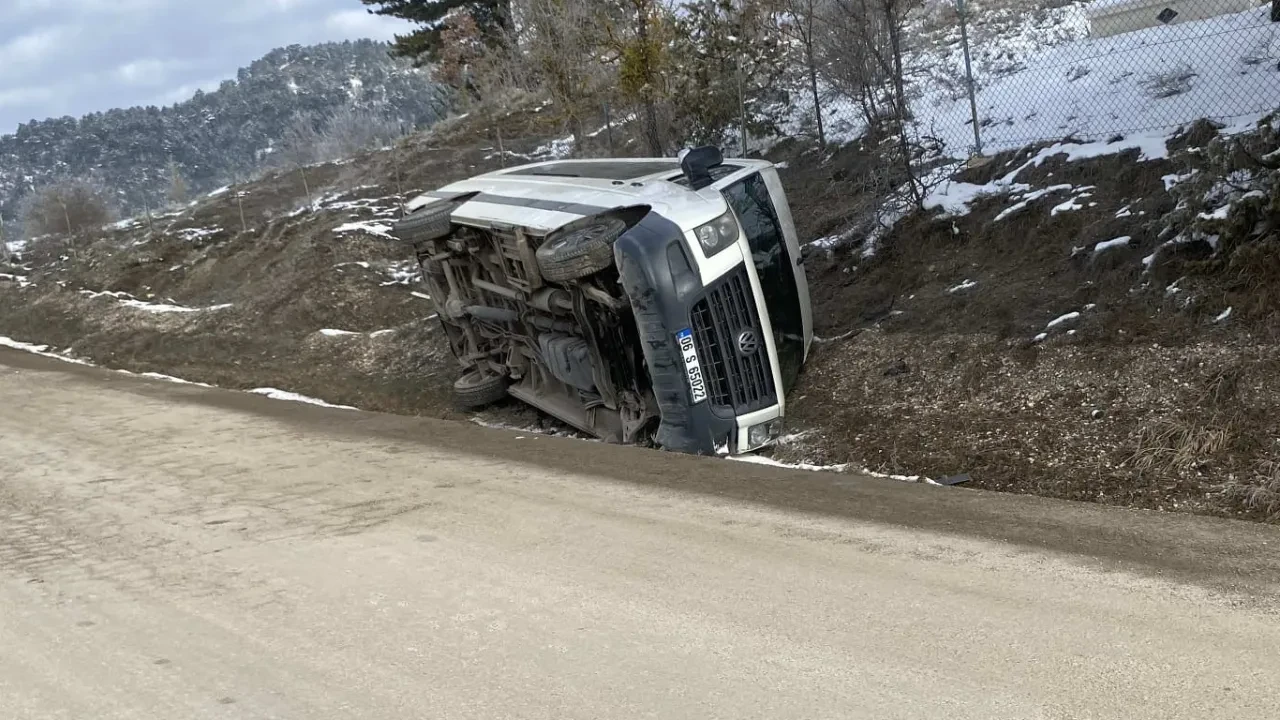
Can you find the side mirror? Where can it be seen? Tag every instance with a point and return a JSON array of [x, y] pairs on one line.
[[697, 164]]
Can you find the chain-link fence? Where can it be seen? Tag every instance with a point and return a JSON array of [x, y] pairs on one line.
[[999, 74]]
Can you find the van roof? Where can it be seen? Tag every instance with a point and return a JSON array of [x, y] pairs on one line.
[[547, 195], [615, 169]]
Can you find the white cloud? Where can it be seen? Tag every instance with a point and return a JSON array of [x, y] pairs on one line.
[[360, 24], [20, 96], [184, 92], [74, 8], [33, 47], [148, 72]]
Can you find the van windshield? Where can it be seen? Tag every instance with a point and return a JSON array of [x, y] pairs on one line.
[[750, 200]]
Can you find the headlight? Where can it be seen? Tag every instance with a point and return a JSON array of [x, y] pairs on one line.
[[718, 234], [763, 434]]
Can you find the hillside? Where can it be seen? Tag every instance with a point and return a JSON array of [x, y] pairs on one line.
[[218, 137], [1091, 315], [1082, 320]]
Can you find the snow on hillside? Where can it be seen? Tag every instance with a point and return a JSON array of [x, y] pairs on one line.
[[1040, 77], [1156, 78]]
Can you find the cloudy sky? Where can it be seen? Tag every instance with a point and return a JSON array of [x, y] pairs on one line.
[[70, 57]]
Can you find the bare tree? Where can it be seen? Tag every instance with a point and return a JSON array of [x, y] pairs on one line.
[[299, 147], [637, 33], [800, 24], [350, 130], [5, 255], [864, 53], [562, 45], [66, 209], [177, 184]]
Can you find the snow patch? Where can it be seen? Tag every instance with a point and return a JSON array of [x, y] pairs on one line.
[[557, 149], [1172, 181], [532, 430], [966, 285], [276, 394], [1219, 214], [1062, 319], [1149, 146], [377, 229], [770, 462], [842, 468], [1122, 241], [954, 198], [192, 234], [127, 300], [1067, 206], [41, 350], [826, 243], [162, 308], [1027, 198], [168, 378]]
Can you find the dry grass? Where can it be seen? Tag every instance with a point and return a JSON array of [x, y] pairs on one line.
[[1172, 446], [1262, 493]]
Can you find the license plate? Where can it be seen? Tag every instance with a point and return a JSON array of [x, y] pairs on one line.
[[697, 383]]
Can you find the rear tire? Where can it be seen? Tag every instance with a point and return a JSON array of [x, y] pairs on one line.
[[426, 224], [580, 250], [475, 389]]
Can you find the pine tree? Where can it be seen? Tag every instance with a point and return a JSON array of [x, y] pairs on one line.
[[422, 45]]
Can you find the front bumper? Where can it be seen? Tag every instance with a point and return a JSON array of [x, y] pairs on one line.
[[663, 287]]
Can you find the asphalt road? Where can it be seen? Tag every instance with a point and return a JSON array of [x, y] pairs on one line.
[[170, 551]]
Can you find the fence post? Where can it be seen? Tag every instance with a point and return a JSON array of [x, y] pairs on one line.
[[608, 124], [968, 75], [244, 226], [395, 161], [742, 110]]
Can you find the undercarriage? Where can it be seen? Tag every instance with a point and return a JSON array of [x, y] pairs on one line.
[[567, 345]]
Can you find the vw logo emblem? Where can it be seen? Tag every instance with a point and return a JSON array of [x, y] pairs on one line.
[[748, 343]]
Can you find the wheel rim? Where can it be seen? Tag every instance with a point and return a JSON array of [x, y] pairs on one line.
[[473, 379], [598, 230]]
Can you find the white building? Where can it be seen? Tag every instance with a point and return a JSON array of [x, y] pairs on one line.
[[1112, 17]]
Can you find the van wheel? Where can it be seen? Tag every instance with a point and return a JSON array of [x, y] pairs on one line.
[[580, 250], [426, 224], [476, 389]]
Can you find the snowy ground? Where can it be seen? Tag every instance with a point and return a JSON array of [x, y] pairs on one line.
[[1040, 77], [127, 300], [273, 393], [1156, 78]]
